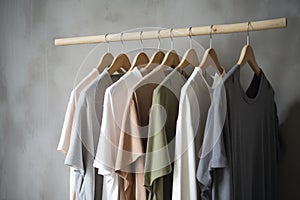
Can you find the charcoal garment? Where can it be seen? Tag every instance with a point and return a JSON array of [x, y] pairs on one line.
[[240, 147]]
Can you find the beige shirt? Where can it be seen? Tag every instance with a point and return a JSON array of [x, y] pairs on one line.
[[64, 142], [130, 157], [115, 101]]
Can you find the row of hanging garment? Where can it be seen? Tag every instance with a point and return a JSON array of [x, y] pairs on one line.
[[157, 132]]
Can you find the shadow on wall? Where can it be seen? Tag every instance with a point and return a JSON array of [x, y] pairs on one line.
[[289, 164]]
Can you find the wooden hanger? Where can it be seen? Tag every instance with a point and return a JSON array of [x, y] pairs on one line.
[[247, 56], [106, 60], [156, 58], [121, 61], [210, 58], [190, 57], [141, 58], [171, 59]]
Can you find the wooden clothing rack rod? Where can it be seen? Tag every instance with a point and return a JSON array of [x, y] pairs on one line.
[[176, 32]]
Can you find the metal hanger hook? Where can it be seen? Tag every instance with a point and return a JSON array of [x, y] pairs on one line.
[[171, 36], [108, 46], [248, 35], [158, 34], [141, 39], [122, 41], [210, 36], [190, 36]]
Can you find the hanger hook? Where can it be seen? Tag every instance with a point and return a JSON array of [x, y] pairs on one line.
[[141, 39], [122, 41], [210, 36], [158, 34], [171, 36], [190, 36], [248, 37], [108, 46]]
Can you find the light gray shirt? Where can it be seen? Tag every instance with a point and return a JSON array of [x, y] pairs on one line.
[[85, 136], [195, 100]]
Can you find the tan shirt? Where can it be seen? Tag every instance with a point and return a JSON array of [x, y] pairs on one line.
[[132, 144]]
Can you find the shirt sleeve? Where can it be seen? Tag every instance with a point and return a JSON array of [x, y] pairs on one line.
[[72, 184], [160, 144], [279, 143], [130, 160], [75, 155], [65, 136], [107, 144], [212, 155], [130, 143], [185, 166]]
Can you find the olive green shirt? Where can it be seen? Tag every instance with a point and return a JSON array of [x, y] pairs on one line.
[[161, 137]]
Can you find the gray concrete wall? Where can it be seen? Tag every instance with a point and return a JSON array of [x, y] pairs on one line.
[[36, 77]]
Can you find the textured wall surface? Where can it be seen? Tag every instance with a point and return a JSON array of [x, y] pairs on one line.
[[36, 78]]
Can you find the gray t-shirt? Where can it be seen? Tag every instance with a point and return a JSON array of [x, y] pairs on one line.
[[85, 136], [239, 157]]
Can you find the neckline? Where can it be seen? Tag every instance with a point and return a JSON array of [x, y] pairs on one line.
[[95, 70], [161, 71], [173, 79], [215, 78], [243, 93], [105, 73], [137, 72], [134, 76]]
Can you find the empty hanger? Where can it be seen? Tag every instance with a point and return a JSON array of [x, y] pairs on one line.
[[247, 56], [156, 58], [141, 58], [106, 59], [210, 57], [121, 61], [190, 57], [171, 59]]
